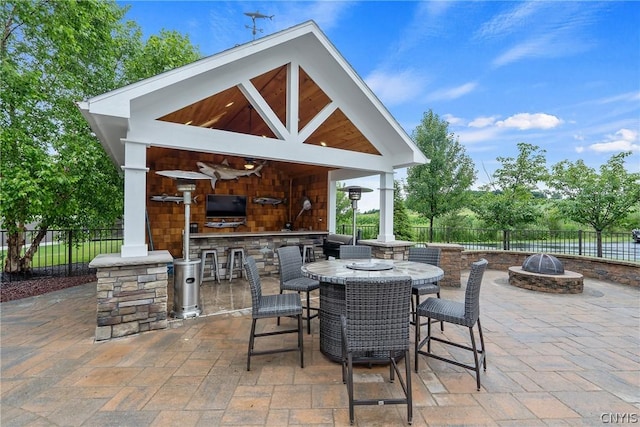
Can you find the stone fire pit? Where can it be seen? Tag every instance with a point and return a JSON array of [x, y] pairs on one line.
[[545, 273]]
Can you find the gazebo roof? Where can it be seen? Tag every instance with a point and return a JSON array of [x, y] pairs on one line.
[[288, 97]]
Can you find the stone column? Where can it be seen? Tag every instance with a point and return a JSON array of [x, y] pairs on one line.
[[131, 294], [397, 249]]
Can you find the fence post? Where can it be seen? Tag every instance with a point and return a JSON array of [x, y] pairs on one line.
[[505, 240], [70, 252], [579, 242]]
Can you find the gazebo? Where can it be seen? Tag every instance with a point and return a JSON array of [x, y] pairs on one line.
[[288, 101]]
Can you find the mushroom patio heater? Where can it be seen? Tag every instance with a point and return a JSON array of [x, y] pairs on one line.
[[186, 272], [355, 194]]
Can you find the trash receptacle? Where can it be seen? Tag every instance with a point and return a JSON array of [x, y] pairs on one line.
[[186, 288]]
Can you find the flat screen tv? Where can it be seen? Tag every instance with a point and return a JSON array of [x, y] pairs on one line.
[[226, 206]]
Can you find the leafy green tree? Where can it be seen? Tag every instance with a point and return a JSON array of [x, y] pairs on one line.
[[162, 52], [401, 223], [442, 185], [343, 207], [509, 200], [54, 171], [600, 200]]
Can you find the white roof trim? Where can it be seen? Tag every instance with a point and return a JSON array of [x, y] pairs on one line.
[[127, 113]]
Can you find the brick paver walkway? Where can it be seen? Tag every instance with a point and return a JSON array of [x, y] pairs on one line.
[[552, 360]]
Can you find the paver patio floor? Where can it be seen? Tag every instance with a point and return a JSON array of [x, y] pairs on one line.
[[552, 360]]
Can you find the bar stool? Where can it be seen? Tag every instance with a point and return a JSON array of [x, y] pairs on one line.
[[308, 254], [214, 264], [231, 261]]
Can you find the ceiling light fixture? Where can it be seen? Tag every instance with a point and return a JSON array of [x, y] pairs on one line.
[[249, 163]]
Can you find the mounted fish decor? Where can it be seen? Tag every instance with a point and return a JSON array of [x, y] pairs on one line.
[[226, 224], [224, 171], [175, 199], [265, 200]]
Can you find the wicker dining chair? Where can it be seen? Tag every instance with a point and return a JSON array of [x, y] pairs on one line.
[[355, 252], [375, 329], [458, 313], [291, 279], [425, 255], [270, 306]]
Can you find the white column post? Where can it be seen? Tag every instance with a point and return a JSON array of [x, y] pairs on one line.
[[386, 208], [135, 189]]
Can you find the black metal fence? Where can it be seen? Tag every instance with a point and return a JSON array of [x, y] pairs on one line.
[[68, 252], [62, 252], [619, 246]]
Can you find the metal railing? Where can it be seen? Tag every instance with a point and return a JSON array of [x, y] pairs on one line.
[[68, 252], [62, 252], [618, 246]]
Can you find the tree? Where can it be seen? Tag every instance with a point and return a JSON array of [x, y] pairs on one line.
[[343, 206], [401, 223], [160, 53], [509, 200], [600, 200], [442, 185], [54, 171]]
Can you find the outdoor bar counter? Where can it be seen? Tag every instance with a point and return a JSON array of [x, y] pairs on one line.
[[259, 244]]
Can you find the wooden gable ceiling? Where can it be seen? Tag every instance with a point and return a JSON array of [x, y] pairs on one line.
[[230, 110]]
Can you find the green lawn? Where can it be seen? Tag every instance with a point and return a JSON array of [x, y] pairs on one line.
[[58, 254]]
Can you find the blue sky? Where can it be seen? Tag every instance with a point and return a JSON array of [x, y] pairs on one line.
[[564, 76]]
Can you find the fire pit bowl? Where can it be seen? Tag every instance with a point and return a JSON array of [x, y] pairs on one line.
[[545, 273]]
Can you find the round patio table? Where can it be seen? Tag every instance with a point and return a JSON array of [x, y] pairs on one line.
[[333, 275]]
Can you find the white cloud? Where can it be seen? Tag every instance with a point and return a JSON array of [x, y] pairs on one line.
[[436, 8], [579, 149], [453, 93], [481, 122], [507, 22], [525, 121], [327, 14], [623, 97], [453, 120], [531, 48], [623, 140], [541, 29], [396, 87], [476, 136]]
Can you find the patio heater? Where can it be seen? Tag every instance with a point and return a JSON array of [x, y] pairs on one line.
[[355, 194], [186, 272]]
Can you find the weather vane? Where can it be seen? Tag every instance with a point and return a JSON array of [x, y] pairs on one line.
[[253, 16]]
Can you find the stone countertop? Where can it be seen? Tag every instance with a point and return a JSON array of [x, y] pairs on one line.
[[114, 260]]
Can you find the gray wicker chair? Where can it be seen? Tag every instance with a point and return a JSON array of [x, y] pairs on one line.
[[291, 279], [426, 255], [269, 306], [464, 314], [355, 252], [375, 329]]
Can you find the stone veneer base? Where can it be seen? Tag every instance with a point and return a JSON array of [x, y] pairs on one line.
[[131, 294], [568, 283]]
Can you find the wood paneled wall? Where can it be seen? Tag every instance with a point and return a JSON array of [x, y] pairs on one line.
[[166, 219]]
